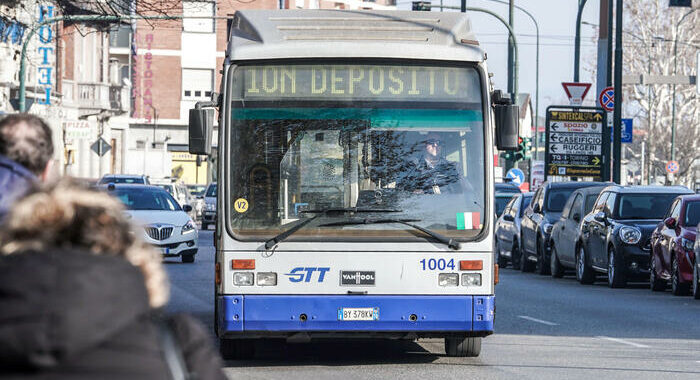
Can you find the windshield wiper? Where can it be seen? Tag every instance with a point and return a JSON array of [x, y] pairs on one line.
[[328, 211], [451, 243]]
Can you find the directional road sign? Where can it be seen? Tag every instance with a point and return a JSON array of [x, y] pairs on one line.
[[576, 143], [516, 176], [606, 99], [672, 167]]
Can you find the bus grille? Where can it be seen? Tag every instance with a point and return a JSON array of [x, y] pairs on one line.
[[159, 233]]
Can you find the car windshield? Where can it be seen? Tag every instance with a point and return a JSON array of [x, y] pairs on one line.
[[501, 202], [590, 201], [692, 214], [146, 199], [196, 190], [168, 188], [211, 190], [340, 136], [556, 199], [126, 180], [644, 206]]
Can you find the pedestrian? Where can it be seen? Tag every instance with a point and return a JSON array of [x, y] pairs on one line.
[[26, 149], [81, 296]]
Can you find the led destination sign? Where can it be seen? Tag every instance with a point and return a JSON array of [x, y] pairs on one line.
[[358, 82]]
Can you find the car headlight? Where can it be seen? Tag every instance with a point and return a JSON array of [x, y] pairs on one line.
[[630, 235], [548, 228], [188, 227], [687, 244]]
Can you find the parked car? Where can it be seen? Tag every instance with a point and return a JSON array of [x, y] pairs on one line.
[[124, 178], [507, 231], [616, 234], [566, 231], [166, 225], [197, 192], [209, 216], [696, 267], [672, 258], [503, 193], [538, 221]]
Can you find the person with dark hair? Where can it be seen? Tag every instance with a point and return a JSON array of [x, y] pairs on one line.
[[82, 296], [26, 148], [431, 173]]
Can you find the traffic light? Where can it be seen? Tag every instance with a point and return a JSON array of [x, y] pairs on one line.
[[421, 6], [523, 152]]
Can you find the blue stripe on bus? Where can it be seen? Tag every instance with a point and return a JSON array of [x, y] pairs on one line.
[[380, 118], [241, 313]]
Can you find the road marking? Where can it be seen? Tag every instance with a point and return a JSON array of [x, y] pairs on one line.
[[627, 342], [538, 320]]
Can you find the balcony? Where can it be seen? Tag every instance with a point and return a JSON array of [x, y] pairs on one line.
[[90, 97]]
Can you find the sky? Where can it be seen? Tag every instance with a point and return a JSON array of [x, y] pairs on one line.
[[557, 24]]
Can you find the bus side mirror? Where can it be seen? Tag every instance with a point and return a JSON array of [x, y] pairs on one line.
[[201, 128], [507, 119]]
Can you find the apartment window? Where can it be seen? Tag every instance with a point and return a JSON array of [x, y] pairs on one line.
[[197, 84], [198, 9]]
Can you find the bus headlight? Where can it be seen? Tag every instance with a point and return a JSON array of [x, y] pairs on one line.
[[448, 279], [630, 235], [243, 278], [267, 278], [471, 279]]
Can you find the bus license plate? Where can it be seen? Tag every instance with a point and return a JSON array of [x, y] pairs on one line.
[[358, 314]]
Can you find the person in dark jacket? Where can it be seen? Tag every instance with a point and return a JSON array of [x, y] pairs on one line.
[[26, 149], [431, 173], [80, 295]]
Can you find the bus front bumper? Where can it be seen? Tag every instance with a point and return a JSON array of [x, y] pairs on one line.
[[248, 316]]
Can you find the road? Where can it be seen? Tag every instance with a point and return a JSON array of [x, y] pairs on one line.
[[545, 329]]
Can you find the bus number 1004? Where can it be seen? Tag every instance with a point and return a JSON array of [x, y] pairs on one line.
[[437, 264]]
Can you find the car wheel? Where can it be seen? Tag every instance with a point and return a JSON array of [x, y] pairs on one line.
[[515, 256], [236, 349], [584, 273], [616, 270], [554, 264], [655, 283], [502, 261], [678, 288], [541, 266], [188, 258], [463, 347], [696, 282]]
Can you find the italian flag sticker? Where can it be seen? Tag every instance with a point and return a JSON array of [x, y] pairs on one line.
[[468, 220]]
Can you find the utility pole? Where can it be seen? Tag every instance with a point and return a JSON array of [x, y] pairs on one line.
[[603, 37], [463, 9], [673, 99], [510, 47], [577, 40], [617, 113]]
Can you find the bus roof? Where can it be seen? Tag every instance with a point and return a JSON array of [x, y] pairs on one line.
[[280, 34]]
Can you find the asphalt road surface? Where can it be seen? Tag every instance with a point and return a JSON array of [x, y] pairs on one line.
[[545, 329]]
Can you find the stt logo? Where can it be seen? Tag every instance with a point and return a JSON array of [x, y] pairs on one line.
[[300, 274]]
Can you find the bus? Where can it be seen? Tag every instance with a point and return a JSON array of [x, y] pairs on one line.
[[355, 178]]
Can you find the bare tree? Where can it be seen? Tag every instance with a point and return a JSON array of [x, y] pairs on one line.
[[651, 28]]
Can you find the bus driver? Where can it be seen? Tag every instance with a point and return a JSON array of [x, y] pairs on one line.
[[431, 173]]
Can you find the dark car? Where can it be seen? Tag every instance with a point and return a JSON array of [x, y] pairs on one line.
[[538, 221], [565, 233], [503, 193], [616, 234], [696, 268], [507, 231], [672, 258]]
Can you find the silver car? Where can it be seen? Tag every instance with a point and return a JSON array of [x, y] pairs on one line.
[[165, 223], [209, 216]]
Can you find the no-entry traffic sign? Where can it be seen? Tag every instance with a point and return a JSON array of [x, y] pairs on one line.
[[606, 99]]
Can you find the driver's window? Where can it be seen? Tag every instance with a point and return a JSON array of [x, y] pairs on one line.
[[576, 206], [600, 203], [515, 206], [567, 208], [676, 209]]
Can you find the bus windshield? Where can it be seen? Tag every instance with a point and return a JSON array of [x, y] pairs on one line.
[[314, 137]]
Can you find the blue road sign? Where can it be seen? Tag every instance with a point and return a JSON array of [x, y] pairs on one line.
[[672, 167], [626, 133], [516, 176]]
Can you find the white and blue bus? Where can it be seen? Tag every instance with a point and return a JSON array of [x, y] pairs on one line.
[[355, 178]]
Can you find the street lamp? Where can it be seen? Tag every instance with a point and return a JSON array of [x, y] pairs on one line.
[[577, 40], [537, 67]]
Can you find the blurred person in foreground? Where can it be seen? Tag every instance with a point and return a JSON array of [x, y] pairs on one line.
[[81, 296], [26, 148]]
